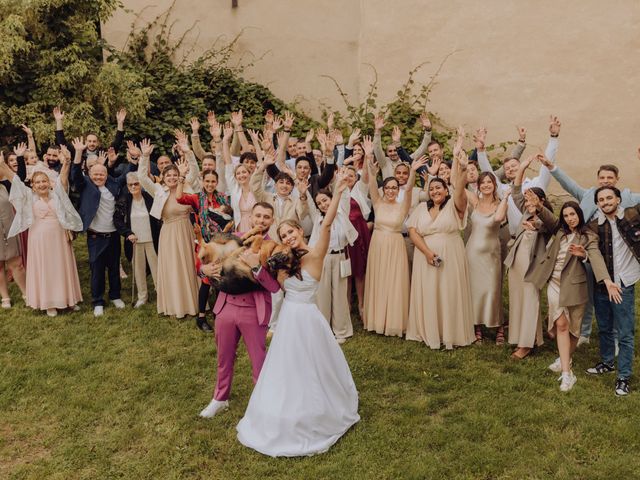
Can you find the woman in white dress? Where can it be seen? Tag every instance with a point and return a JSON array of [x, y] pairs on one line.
[[305, 398]]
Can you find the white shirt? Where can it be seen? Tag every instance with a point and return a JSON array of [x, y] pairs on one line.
[[103, 221], [140, 224], [626, 269]]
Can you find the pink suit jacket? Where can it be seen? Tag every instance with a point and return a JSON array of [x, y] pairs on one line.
[[261, 298]]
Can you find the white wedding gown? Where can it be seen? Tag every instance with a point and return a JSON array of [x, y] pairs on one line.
[[305, 398]]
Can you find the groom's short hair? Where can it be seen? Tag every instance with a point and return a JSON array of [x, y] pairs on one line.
[[266, 205]]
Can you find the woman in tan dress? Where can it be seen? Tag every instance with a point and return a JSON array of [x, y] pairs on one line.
[[440, 307], [484, 257], [177, 281], [525, 325], [386, 289]]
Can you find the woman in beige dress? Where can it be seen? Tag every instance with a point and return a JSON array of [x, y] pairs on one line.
[[484, 257], [440, 307], [386, 289], [525, 325], [177, 281]]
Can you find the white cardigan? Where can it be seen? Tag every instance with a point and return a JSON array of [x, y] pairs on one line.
[[22, 198], [360, 193], [234, 190], [341, 224], [159, 192]]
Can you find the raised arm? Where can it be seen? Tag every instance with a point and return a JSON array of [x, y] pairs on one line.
[[459, 195], [195, 138], [20, 150], [65, 159], [372, 169], [119, 138], [256, 182], [408, 194], [30, 140], [322, 245], [426, 138], [236, 120], [77, 177], [143, 168], [58, 115], [378, 152]]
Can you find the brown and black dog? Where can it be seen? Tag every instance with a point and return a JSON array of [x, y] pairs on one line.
[[236, 276]]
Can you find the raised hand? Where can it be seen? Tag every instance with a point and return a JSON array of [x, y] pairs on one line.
[[302, 186], [544, 160], [378, 123], [253, 135], [533, 199], [112, 156], [420, 162], [182, 140], [211, 118], [396, 134], [269, 158], [424, 121], [266, 142], [309, 136], [554, 126], [195, 124], [480, 138], [20, 149], [78, 144], [281, 139], [120, 117], [215, 129], [462, 159], [27, 130], [434, 168], [236, 119], [58, 114], [524, 164], [330, 121], [338, 137], [288, 120], [102, 157], [227, 132], [146, 147], [330, 144], [354, 137], [183, 167], [65, 155], [367, 145], [133, 151], [522, 134], [341, 180], [276, 124]]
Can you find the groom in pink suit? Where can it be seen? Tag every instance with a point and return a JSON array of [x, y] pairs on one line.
[[245, 315]]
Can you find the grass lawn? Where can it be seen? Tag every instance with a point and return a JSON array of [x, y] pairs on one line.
[[118, 397]]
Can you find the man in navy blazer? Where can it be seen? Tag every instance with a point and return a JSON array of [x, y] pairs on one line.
[[98, 194]]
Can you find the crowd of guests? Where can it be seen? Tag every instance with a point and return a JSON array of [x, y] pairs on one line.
[[420, 243]]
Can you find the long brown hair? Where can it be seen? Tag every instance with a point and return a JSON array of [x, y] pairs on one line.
[[491, 177]]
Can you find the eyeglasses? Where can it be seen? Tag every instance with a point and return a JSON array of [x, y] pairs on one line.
[[137, 184]]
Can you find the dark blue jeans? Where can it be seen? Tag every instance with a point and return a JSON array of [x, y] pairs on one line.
[[620, 317]]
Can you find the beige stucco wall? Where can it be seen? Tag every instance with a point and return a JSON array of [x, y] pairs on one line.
[[515, 62]]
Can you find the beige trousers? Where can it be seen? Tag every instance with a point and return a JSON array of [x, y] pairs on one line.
[[143, 253], [332, 296]]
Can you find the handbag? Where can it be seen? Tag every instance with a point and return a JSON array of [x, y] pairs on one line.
[[345, 266]]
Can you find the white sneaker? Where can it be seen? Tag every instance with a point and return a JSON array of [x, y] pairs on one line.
[[75, 308], [213, 408], [567, 381], [118, 303], [52, 312], [139, 303], [98, 311], [583, 341], [555, 366]]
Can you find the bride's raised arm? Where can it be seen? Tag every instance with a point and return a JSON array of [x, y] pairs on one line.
[[321, 247]]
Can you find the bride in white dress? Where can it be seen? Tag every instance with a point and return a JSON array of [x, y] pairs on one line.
[[305, 398]]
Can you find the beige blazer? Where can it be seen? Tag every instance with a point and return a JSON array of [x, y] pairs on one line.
[[546, 223], [291, 209], [573, 279]]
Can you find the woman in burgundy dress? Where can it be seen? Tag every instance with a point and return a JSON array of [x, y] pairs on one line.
[[360, 210]]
